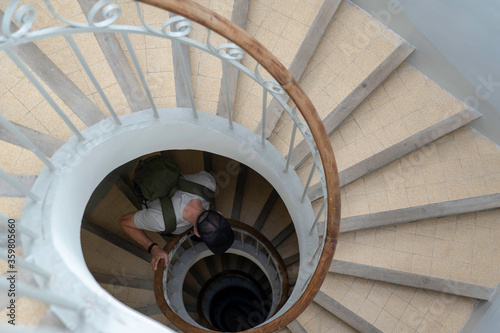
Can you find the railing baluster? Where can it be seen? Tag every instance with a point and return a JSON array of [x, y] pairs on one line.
[[317, 217], [315, 253], [26, 142], [264, 111], [290, 149], [187, 76], [44, 93], [141, 74], [308, 182], [307, 282], [28, 232], [21, 262], [45, 296], [18, 185], [92, 78], [226, 93]]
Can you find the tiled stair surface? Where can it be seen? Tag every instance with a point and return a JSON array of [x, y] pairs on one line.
[[353, 45]]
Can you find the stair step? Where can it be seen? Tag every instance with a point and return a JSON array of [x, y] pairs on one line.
[[296, 327], [7, 190], [343, 313], [419, 213], [256, 192], [284, 234], [399, 150], [116, 240], [129, 282], [120, 65], [45, 143], [239, 192], [56, 80], [196, 273], [266, 210], [301, 60], [190, 291], [149, 310], [411, 280], [225, 174], [292, 259], [128, 192], [240, 18], [355, 98], [181, 57], [189, 161]]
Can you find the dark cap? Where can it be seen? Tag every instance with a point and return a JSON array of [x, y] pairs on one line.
[[215, 231]]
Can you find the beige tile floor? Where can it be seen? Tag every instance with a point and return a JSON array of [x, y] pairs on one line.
[[462, 248], [353, 45], [281, 29], [460, 165], [392, 308]]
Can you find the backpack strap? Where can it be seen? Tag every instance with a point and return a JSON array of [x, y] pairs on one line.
[[168, 214], [195, 188]]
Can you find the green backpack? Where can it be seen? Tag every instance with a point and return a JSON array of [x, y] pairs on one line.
[[159, 177]]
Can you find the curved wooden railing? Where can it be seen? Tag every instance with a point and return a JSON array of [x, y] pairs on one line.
[[253, 47]]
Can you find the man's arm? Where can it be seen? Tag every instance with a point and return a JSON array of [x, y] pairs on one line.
[[127, 224]]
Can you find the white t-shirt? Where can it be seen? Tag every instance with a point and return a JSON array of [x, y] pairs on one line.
[[151, 218]]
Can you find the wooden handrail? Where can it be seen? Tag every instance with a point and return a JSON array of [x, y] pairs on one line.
[[240, 37]]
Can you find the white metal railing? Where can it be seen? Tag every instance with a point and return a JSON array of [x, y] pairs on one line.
[[229, 54]]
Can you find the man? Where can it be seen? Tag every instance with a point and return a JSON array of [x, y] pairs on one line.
[[190, 210]]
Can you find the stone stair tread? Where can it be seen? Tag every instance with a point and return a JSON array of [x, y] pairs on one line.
[[327, 86], [8, 190], [302, 59], [239, 17], [45, 143], [457, 247], [450, 168], [350, 103], [267, 22], [411, 280], [388, 155], [388, 306]]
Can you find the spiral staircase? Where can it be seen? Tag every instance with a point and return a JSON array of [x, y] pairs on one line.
[[418, 248]]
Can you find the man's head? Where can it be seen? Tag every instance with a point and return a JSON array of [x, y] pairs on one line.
[[215, 231]]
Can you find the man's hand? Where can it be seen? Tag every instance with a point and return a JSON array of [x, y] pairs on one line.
[[158, 254]]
